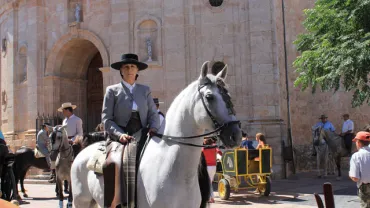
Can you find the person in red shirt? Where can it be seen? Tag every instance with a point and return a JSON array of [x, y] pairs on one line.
[[210, 156]]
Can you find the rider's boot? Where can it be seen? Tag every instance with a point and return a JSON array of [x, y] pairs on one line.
[[52, 177]]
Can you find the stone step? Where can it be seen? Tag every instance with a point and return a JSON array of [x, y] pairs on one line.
[[44, 176], [37, 181]]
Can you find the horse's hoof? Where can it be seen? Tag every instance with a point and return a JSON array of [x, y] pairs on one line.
[[15, 202], [60, 204], [25, 195]]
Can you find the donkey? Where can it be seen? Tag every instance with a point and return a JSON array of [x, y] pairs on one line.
[[323, 153], [60, 143], [336, 147], [168, 171]]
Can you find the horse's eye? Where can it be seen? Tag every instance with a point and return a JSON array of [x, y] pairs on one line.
[[209, 97]]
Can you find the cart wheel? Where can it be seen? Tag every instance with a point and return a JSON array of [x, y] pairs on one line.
[[224, 189], [266, 189]]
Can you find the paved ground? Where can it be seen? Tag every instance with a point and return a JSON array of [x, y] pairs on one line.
[[285, 194]]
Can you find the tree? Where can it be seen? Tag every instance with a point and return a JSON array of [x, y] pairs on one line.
[[335, 49]]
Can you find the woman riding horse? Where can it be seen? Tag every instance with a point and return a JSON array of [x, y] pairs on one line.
[[128, 107]]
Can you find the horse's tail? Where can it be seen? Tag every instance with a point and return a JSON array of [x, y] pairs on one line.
[[204, 181]]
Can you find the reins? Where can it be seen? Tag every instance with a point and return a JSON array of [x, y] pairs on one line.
[[63, 150], [218, 127]]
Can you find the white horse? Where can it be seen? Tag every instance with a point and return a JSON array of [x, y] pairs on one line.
[[323, 154], [63, 162], [168, 172]]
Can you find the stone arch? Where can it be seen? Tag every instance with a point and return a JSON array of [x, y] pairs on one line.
[[82, 36]]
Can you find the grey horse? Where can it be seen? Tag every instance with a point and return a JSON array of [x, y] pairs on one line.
[[63, 163], [336, 147], [323, 154]]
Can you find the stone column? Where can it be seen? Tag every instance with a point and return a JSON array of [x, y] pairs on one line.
[[174, 48], [107, 77], [265, 79], [34, 31]]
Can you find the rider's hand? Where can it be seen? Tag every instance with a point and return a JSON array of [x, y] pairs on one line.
[[125, 138], [152, 130], [70, 141]]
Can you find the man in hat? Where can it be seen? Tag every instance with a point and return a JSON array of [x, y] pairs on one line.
[[325, 124], [74, 129], [128, 107], [74, 123], [359, 170], [162, 120], [347, 132], [43, 142]]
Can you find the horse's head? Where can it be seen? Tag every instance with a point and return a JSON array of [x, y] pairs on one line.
[[58, 136], [316, 131], [323, 135], [215, 109]]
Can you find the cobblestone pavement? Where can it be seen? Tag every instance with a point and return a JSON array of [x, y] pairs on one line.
[[285, 194]]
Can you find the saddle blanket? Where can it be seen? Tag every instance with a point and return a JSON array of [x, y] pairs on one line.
[[38, 154], [124, 159]]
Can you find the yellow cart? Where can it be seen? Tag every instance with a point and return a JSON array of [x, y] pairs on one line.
[[245, 169]]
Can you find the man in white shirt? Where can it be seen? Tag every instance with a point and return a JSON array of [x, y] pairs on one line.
[[359, 170], [162, 120], [348, 132], [74, 128]]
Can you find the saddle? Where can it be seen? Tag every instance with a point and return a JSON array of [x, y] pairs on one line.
[[38, 154], [117, 164]]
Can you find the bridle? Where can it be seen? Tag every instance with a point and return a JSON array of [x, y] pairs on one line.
[[218, 128], [60, 148], [317, 135]]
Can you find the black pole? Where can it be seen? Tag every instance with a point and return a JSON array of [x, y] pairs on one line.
[[287, 87]]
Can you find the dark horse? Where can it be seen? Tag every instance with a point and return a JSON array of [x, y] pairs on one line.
[[24, 159]]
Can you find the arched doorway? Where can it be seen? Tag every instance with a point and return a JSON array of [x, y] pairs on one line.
[[94, 93], [72, 75]]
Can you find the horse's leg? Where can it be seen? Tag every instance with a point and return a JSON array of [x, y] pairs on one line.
[[59, 184], [70, 196], [337, 160], [318, 154], [326, 155], [22, 176]]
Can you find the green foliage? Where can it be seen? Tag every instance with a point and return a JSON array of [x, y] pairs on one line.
[[335, 49]]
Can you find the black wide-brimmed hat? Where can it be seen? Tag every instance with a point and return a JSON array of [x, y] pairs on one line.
[[129, 58], [156, 101], [323, 116]]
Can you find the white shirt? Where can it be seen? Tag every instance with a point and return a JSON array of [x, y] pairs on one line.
[[348, 125], [131, 87], [74, 126], [161, 118], [360, 166]]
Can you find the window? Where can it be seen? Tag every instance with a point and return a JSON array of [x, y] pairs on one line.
[[216, 3]]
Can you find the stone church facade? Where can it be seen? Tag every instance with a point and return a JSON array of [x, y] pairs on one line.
[[60, 51]]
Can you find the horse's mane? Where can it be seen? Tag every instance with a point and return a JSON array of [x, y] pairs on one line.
[[190, 91]]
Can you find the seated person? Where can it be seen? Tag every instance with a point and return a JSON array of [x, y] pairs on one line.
[[245, 142], [261, 140]]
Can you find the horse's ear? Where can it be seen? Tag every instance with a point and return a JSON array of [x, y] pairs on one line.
[[204, 70], [50, 128], [222, 74], [63, 127]]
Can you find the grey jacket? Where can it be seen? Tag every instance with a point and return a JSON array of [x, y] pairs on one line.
[[41, 142], [117, 108]]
